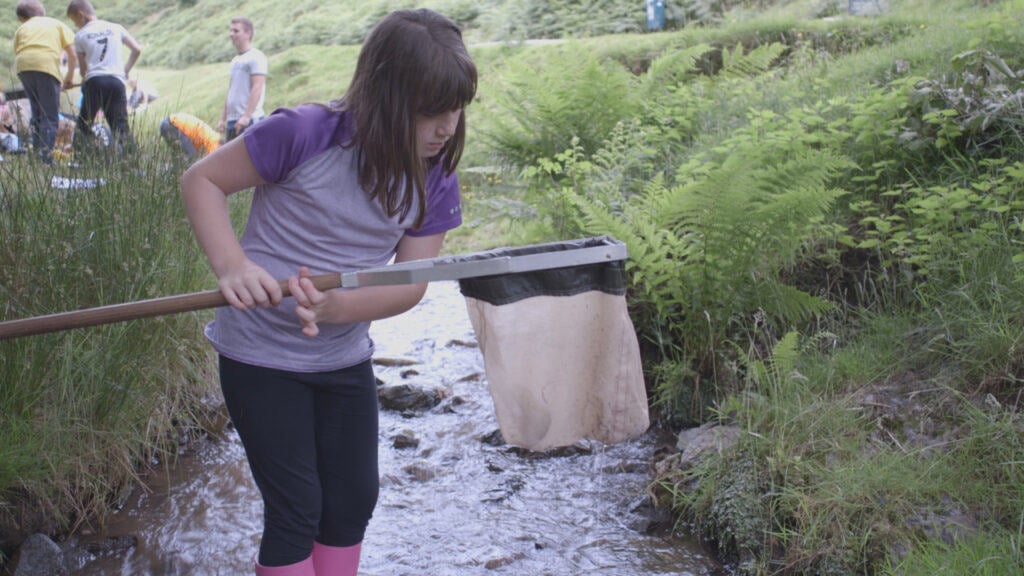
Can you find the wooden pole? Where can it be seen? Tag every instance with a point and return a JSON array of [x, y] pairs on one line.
[[134, 310]]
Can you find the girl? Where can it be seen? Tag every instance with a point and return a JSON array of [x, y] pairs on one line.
[[339, 187]]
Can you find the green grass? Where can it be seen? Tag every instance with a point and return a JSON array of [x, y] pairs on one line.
[[894, 415], [84, 410], [989, 555]]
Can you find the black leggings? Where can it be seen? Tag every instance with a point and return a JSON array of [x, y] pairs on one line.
[[311, 441]]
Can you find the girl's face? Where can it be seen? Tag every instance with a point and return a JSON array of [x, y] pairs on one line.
[[433, 132]]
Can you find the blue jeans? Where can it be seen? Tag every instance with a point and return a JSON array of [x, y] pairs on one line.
[[232, 134], [311, 442]]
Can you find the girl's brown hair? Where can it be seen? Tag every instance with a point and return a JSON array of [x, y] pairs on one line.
[[412, 63]]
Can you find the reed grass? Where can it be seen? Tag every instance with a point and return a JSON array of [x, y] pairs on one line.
[[82, 412]]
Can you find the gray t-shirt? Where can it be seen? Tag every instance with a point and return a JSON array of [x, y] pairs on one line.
[[313, 213], [244, 66]]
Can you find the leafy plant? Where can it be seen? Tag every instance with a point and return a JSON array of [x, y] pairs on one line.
[[975, 107], [708, 253], [542, 110]]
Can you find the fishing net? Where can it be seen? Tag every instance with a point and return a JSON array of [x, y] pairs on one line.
[[560, 351]]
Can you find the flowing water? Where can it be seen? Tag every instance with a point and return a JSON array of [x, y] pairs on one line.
[[452, 505]]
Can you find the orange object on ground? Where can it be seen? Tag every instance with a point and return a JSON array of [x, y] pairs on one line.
[[202, 135]]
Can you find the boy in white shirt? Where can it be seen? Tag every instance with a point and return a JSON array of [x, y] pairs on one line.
[[98, 45]]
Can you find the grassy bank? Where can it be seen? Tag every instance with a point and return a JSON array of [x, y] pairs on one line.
[[823, 222], [82, 412]]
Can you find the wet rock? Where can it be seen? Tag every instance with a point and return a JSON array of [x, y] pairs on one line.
[[405, 439], [508, 488], [405, 397], [651, 519], [39, 556], [697, 443], [463, 343], [450, 406], [666, 465], [409, 373], [474, 377], [581, 447], [625, 467], [420, 471], [493, 439], [394, 362], [502, 561], [76, 558], [112, 545]]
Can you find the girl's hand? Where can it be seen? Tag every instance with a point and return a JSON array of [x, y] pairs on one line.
[[247, 286], [309, 302]]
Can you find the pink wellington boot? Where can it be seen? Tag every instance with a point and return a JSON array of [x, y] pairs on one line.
[[303, 568], [336, 560]]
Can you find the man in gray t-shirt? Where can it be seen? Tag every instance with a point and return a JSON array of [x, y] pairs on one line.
[[247, 87]]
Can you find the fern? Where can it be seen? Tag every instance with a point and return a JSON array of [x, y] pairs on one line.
[[541, 110], [737, 64], [706, 254], [675, 67], [777, 369], [747, 220], [709, 242]]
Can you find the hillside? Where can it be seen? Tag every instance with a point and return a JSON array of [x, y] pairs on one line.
[[311, 49], [182, 33]]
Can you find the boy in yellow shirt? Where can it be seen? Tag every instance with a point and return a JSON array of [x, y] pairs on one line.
[[38, 44]]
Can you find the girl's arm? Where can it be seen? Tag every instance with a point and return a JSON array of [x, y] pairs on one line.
[[205, 188], [362, 304]]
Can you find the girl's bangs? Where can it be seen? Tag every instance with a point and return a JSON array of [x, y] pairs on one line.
[[451, 85]]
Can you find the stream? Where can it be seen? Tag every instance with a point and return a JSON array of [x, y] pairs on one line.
[[451, 503]]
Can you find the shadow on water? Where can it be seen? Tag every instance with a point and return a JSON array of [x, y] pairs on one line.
[[450, 504]]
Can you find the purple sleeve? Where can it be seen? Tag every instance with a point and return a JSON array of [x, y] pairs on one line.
[[444, 208], [289, 137]]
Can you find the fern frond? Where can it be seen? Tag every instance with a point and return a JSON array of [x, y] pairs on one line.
[[774, 371], [737, 64], [782, 301], [753, 215], [676, 67], [541, 109]]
